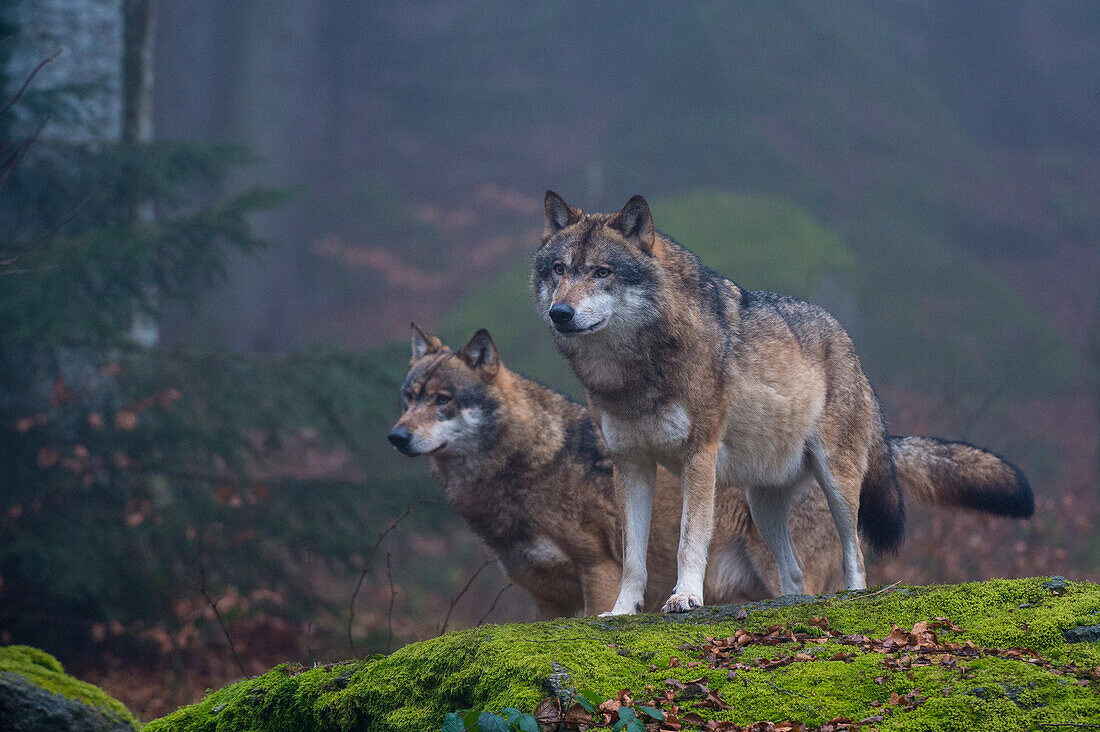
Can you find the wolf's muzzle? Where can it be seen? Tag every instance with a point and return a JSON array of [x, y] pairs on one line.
[[400, 438], [561, 313]]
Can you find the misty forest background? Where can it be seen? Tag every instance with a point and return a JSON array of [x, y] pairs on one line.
[[217, 220]]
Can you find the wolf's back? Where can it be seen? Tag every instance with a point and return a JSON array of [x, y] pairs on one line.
[[942, 473]]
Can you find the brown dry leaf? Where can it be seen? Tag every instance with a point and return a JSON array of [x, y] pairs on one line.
[[548, 712], [577, 716]]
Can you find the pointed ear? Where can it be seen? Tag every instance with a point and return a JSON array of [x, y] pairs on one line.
[[480, 354], [636, 223], [559, 214], [422, 343]]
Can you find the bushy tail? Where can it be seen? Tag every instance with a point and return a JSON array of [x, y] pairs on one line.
[[881, 504], [941, 473]]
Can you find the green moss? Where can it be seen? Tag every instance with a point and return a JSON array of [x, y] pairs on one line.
[[46, 672], [494, 667]]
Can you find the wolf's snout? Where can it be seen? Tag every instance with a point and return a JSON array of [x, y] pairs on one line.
[[561, 313], [400, 437]]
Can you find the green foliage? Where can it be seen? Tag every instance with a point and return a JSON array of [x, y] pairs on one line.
[[45, 671], [496, 668], [124, 469]]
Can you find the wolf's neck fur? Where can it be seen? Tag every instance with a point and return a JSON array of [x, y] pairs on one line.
[[632, 365], [489, 484]]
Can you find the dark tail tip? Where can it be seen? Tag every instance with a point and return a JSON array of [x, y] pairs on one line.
[[882, 518], [1014, 500], [882, 505]]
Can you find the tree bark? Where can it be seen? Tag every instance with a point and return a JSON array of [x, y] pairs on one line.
[[137, 70]]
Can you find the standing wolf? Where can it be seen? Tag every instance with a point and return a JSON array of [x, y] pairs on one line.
[[528, 471], [726, 386]]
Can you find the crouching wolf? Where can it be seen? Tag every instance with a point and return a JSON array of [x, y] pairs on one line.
[[729, 387], [529, 472]]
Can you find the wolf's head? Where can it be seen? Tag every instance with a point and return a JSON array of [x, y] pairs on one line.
[[452, 400], [596, 271]]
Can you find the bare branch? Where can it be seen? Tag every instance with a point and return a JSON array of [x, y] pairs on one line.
[[27, 81], [309, 622], [366, 568], [456, 598], [389, 612], [218, 615], [49, 234], [8, 166], [493, 606]]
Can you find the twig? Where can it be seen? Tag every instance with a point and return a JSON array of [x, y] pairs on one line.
[[309, 621], [876, 592], [780, 689], [8, 166], [389, 612], [218, 615], [456, 598], [493, 606], [27, 81], [49, 234], [366, 568]]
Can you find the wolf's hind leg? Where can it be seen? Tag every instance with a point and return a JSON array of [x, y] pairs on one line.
[[770, 507], [634, 491], [600, 585], [844, 515]]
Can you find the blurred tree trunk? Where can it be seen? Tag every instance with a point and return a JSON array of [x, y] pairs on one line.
[[137, 70], [137, 120]]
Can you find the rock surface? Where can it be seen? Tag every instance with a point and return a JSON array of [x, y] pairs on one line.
[[37, 696], [998, 659]]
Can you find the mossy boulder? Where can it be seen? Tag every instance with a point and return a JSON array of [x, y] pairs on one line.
[[988, 683], [37, 695]]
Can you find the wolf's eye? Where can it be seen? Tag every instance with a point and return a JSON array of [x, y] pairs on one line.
[[409, 395], [442, 398], [559, 269], [602, 272]]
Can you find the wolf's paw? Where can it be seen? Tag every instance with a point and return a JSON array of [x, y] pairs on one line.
[[682, 602], [623, 609]]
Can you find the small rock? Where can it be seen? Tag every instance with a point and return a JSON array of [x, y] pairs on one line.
[[1083, 634], [1056, 584], [560, 683]]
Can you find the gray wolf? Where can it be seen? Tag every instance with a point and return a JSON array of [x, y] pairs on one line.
[[724, 387], [529, 472]]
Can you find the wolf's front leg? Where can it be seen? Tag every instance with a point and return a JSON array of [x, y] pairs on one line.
[[634, 479], [696, 528]]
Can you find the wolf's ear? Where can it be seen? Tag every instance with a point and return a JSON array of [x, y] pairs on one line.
[[480, 354], [422, 343], [559, 214], [636, 223]]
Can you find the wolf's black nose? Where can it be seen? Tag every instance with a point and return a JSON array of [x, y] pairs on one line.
[[561, 313], [399, 438]]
